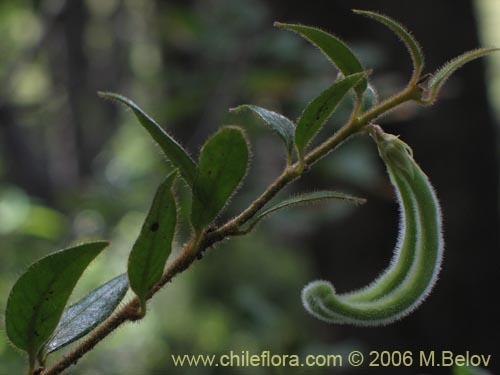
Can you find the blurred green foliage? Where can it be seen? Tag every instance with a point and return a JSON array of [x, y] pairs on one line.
[[186, 63]]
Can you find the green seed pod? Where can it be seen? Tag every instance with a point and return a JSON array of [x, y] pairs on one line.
[[417, 256]]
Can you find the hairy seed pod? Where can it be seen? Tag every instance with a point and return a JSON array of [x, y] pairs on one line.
[[417, 256]]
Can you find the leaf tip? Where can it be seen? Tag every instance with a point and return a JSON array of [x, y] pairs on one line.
[[359, 201], [237, 109], [102, 243], [106, 94], [364, 74], [241, 131], [365, 12]]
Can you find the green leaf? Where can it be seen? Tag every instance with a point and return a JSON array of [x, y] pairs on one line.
[[317, 112], [281, 125], [442, 74], [303, 199], [154, 244], [416, 53], [222, 166], [83, 316], [37, 300], [336, 50], [173, 150]]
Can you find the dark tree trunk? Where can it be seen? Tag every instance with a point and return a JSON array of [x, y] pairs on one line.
[[24, 165], [41, 164]]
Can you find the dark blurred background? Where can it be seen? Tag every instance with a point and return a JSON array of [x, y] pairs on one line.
[[74, 167]]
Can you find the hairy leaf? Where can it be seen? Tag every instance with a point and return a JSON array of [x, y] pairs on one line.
[[336, 50], [470, 370], [173, 150], [37, 300], [154, 244], [222, 165], [281, 125], [83, 316], [413, 46], [440, 77], [303, 199], [317, 112], [416, 262]]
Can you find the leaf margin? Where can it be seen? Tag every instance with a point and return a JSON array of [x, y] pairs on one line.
[[441, 75], [197, 200], [47, 349], [413, 46], [172, 149], [138, 279], [285, 128], [33, 345], [348, 63], [304, 199], [316, 106]]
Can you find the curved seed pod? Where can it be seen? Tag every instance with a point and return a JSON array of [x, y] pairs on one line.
[[282, 126], [416, 263], [404, 252]]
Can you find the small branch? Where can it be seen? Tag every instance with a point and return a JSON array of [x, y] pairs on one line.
[[132, 312], [288, 175], [408, 94], [117, 319], [353, 126]]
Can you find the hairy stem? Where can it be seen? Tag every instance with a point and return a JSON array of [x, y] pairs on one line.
[[132, 311]]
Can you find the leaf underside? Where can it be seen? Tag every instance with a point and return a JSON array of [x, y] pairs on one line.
[[83, 316], [281, 125]]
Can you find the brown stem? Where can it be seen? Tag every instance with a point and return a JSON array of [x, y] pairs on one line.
[[132, 311]]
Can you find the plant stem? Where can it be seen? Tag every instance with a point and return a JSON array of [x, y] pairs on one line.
[[132, 311], [355, 125]]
